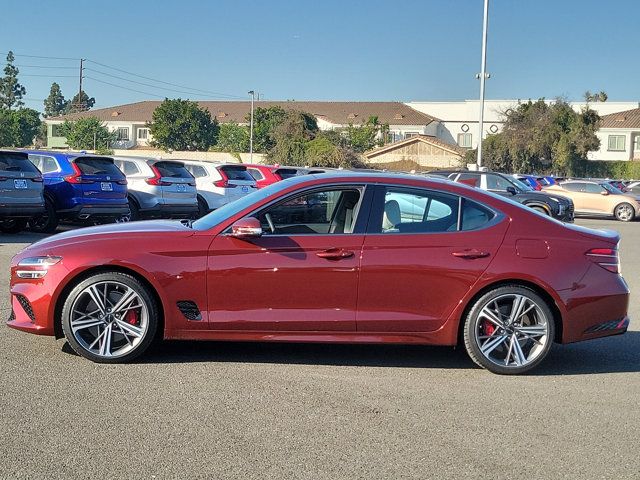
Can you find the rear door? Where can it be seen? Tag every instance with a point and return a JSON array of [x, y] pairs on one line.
[[20, 180], [239, 181], [103, 184], [420, 257], [177, 184]]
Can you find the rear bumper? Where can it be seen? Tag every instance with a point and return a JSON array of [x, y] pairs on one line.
[[21, 210], [168, 210], [83, 212]]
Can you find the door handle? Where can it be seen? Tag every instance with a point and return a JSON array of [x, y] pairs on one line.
[[471, 254], [335, 253]]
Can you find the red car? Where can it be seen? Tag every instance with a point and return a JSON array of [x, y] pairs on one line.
[[267, 174], [342, 257]]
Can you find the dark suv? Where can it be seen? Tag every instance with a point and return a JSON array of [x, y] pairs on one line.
[[556, 206]]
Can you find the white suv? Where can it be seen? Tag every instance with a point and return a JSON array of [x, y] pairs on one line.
[[219, 183], [158, 188]]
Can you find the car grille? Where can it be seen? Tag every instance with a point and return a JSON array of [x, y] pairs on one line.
[[189, 309], [26, 306]]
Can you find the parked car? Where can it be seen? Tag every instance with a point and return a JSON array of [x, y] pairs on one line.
[[21, 191], [79, 187], [478, 270], [598, 199], [219, 183], [555, 206], [263, 174], [158, 188], [530, 180]]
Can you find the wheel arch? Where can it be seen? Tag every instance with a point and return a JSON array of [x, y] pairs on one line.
[[551, 302], [84, 274], [542, 205]]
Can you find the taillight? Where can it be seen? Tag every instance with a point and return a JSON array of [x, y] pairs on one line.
[[76, 177], [607, 258], [224, 182], [157, 178]]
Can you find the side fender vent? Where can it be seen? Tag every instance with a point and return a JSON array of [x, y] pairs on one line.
[[189, 309]]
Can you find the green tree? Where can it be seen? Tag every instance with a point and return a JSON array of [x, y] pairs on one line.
[[81, 102], [84, 133], [11, 92], [366, 136], [543, 137], [232, 138], [265, 122], [291, 137], [182, 125], [18, 128], [55, 104], [601, 96], [326, 151]]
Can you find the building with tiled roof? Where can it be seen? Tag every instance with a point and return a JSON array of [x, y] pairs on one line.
[[619, 136]]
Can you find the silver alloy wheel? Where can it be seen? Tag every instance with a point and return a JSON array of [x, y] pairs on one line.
[[109, 319], [512, 330], [625, 212]]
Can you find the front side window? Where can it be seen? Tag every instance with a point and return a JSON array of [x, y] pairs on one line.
[[616, 143], [331, 211], [498, 183], [593, 188]]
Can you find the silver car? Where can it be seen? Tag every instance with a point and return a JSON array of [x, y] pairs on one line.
[[21, 191], [158, 188]]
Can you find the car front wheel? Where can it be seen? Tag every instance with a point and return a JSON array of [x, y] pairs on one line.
[[110, 318], [509, 330], [13, 225]]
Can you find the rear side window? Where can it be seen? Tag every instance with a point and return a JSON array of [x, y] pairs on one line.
[[16, 162], [416, 211], [45, 163], [172, 170], [97, 166], [236, 173], [255, 173], [573, 187], [197, 171]]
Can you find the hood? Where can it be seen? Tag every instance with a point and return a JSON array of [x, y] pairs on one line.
[[120, 229]]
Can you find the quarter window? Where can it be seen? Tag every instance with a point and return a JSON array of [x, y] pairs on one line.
[[331, 211], [617, 143]]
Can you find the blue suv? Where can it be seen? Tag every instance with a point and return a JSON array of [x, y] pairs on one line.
[[79, 186]]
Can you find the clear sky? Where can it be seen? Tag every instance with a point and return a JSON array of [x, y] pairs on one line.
[[326, 50]]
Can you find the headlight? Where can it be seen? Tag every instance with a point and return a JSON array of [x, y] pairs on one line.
[[41, 265]]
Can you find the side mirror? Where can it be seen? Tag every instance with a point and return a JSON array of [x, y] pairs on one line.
[[511, 190], [248, 227], [604, 192]]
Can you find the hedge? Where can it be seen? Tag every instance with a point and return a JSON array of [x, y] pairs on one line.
[[617, 169]]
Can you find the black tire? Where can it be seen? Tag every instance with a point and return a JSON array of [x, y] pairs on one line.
[[145, 296], [203, 208], [13, 225], [473, 318], [624, 212], [47, 222], [134, 211]]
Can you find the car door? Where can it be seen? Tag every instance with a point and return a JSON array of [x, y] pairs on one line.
[[302, 274], [594, 198], [420, 257]]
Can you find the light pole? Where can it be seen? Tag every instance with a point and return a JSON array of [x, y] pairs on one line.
[[253, 95], [483, 75]]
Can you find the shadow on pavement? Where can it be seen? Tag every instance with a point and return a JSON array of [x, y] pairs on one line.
[[619, 354]]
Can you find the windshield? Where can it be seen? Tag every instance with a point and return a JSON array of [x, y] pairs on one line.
[[521, 185], [230, 209], [610, 188]]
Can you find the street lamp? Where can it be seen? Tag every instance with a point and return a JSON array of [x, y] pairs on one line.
[[253, 94], [483, 75]]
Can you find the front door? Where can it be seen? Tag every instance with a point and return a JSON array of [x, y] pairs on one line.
[[420, 258], [302, 274]]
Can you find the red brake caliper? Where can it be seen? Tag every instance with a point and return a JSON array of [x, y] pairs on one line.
[[131, 317], [489, 328]]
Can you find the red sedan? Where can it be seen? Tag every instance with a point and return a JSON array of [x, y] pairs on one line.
[[346, 257]]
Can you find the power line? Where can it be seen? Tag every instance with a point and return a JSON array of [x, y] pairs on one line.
[[125, 88], [43, 66], [45, 75], [39, 56], [166, 83]]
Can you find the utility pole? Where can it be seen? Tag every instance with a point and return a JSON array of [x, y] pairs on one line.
[[483, 75], [80, 88], [253, 94]]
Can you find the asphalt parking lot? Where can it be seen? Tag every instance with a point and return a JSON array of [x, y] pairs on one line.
[[215, 410]]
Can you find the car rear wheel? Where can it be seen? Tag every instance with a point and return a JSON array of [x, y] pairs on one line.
[[509, 330], [48, 221], [134, 212], [203, 208], [110, 318], [624, 212], [13, 225]]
